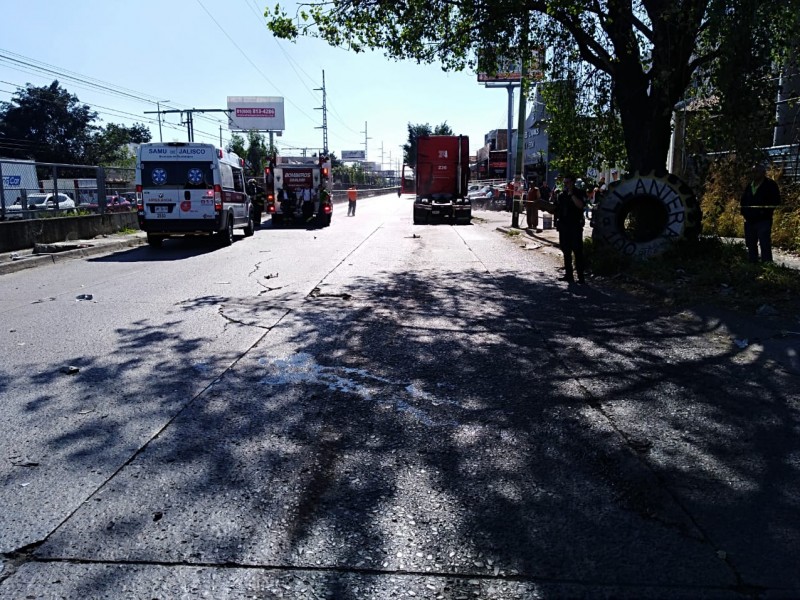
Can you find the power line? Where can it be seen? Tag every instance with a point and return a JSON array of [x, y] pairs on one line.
[[114, 110], [85, 82], [243, 53]]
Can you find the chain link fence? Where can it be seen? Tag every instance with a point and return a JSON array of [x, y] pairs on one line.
[[31, 190]]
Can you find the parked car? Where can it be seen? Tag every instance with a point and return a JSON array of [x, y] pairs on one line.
[[114, 203], [40, 201], [482, 197], [118, 203]]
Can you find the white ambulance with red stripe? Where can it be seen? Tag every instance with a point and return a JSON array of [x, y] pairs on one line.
[[188, 188]]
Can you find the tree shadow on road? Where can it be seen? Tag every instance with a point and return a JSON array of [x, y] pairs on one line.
[[462, 424]]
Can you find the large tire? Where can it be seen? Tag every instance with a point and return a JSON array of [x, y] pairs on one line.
[[277, 220], [249, 229], [643, 214], [154, 241], [225, 237]]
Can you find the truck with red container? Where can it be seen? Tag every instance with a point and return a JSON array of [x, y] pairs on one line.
[[442, 179]]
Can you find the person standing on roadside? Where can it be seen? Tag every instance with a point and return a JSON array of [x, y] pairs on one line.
[[352, 196], [532, 206], [544, 191], [569, 211], [757, 207]]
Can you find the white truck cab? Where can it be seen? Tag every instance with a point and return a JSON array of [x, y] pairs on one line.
[[188, 188]]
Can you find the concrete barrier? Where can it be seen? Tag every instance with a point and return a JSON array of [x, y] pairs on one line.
[[20, 235]]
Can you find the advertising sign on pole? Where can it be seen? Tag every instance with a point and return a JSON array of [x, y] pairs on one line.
[[262, 113], [353, 155], [509, 71]]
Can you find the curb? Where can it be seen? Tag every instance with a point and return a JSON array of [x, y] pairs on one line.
[[35, 260], [531, 234]]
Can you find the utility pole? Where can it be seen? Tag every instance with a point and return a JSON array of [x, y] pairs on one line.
[[324, 109], [366, 154], [158, 112], [523, 91]]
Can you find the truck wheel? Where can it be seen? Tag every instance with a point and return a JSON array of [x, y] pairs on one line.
[[154, 241], [640, 216], [225, 237], [277, 220]]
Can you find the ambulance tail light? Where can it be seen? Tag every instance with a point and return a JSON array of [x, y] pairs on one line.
[[139, 199], [327, 209], [217, 197]]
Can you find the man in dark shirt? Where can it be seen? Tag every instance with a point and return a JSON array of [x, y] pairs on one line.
[[569, 212], [758, 204]]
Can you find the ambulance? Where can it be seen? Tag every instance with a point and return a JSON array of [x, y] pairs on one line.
[[189, 188]]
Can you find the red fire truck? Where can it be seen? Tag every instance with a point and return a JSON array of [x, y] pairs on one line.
[[442, 178], [286, 181]]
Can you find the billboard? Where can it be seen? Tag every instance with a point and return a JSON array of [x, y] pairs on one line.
[[353, 155], [262, 113], [511, 70]]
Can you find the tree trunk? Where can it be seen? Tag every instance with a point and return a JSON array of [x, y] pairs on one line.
[[646, 124]]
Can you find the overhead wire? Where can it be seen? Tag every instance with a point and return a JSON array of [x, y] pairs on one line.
[[292, 62]]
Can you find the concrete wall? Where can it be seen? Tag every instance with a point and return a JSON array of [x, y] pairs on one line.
[[19, 235]]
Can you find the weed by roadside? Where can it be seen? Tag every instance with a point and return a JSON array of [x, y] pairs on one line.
[[710, 271]]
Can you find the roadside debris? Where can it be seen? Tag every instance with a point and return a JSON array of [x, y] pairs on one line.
[[69, 370], [84, 297]]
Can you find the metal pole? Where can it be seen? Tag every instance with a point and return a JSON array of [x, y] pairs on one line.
[[101, 189], [158, 106], [508, 131], [523, 84]]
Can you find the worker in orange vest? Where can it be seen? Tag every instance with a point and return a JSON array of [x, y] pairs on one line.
[[509, 195], [352, 196]]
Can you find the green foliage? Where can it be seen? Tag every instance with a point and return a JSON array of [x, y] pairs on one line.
[[108, 146], [726, 180], [604, 259], [253, 150], [48, 124], [647, 52], [419, 130], [733, 92], [709, 270]]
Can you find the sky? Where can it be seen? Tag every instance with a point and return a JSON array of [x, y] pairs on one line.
[[122, 57]]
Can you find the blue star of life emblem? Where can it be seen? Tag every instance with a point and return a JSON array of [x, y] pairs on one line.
[[195, 176], [159, 176]]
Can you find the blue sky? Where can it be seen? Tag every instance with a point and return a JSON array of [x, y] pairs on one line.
[[196, 53]]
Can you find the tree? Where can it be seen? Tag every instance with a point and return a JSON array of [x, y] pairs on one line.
[[255, 153], [108, 146], [47, 124], [648, 49], [416, 131]]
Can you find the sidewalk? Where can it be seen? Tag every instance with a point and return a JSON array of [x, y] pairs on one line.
[[10, 262]]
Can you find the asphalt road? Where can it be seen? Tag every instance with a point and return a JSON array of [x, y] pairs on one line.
[[382, 410]]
